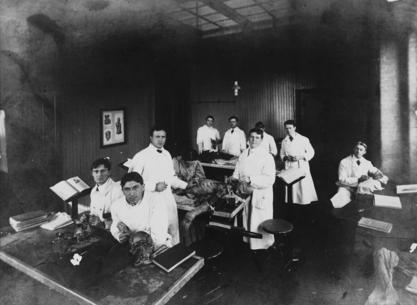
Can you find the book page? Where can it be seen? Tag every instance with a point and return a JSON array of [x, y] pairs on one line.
[[64, 190], [291, 174], [78, 184], [59, 220], [393, 202]]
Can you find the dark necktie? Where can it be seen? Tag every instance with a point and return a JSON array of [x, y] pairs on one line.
[[291, 138], [97, 189], [248, 152], [232, 131], [159, 150], [358, 162]]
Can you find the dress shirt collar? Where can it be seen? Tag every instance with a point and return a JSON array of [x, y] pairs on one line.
[[287, 138], [105, 186], [155, 149], [354, 158]]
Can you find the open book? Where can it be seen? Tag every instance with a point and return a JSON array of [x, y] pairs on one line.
[[59, 220], [292, 174], [70, 187]]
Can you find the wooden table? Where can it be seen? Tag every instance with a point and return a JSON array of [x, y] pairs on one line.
[[404, 222], [31, 252]]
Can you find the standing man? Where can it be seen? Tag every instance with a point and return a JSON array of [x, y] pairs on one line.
[[154, 164], [296, 151], [207, 137], [257, 168], [268, 142], [234, 140], [105, 192]]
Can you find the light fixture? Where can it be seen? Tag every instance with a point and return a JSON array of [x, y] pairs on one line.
[[236, 88]]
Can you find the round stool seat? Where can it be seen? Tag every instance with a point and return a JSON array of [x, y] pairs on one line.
[[277, 226]]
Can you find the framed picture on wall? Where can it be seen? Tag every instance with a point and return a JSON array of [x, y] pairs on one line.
[[113, 127]]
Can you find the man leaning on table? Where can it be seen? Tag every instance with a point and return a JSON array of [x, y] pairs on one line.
[[138, 211], [356, 174], [155, 165]]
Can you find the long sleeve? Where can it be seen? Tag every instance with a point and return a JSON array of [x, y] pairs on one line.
[[267, 176], [225, 141], [272, 146], [243, 141], [309, 150], [199, 141], [344, 178], [282, 150], [174, 180], [217, 135], [115, 220]]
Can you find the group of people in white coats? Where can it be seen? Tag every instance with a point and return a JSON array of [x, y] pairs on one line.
[[135, 203], [256, 165]]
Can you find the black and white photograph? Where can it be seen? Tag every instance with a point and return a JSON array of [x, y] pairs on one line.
[[211, 152]]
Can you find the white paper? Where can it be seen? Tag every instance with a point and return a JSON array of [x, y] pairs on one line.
[[64, 190], [60, 219], [78, 184], [341, 198], [406, 188]]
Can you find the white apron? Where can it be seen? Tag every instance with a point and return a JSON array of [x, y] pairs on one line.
[[259, 166]]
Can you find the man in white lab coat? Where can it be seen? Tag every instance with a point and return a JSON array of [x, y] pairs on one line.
[[268, 141], [353, 170], [136, 211], [105, 192], [234, 140], [207, 137], [257, 167], [296, 151], [154, 164]]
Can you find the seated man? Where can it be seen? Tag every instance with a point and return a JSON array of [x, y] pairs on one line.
[[104, 193], [357, 175], [187, 167], [136, 212]]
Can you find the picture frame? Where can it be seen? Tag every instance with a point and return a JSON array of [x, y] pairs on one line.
[[113, 130]]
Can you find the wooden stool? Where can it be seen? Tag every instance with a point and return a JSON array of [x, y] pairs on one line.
[[281, 230]]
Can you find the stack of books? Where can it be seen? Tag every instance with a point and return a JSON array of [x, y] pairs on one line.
[[28, 220], [377, 225]]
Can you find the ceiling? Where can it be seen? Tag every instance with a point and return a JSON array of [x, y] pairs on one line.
[[222, 17]]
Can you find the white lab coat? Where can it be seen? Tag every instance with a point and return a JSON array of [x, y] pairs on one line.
[[157, 167], [259, 166], [349, 173], [268, 143], [204, 136], [303, 192], [148, 216], [103, 198], [234, 142]]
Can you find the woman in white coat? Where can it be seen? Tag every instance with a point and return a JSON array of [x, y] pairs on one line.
[[257, 167]]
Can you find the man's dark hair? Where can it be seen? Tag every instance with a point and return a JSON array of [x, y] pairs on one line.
[[290, 122], [209, 117], [361, 144], [258, 131], [157, 128], [101, 161], [133, 176], [259, 125], [233, 117]]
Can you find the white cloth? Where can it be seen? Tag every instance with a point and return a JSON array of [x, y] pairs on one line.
[[268, 143], [104, 197], [204, 136], [234, 142], [303, 192], [157, 167], [259, 166], [349, 173], [148, 215]]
